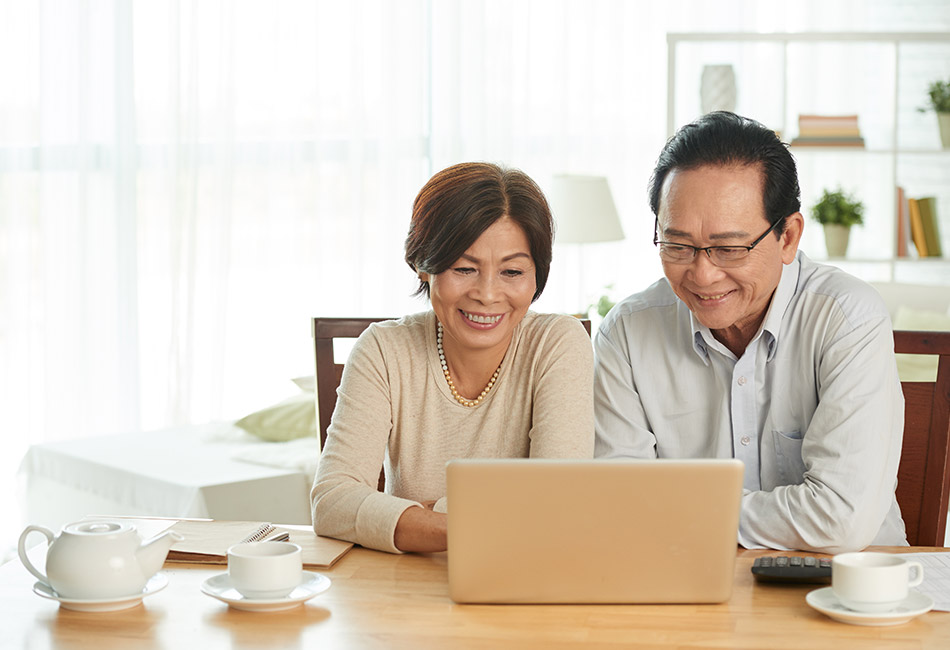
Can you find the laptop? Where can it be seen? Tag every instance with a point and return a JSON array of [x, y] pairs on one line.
[[592, 531]]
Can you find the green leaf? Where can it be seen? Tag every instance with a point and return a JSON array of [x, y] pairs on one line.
[[837, 207]]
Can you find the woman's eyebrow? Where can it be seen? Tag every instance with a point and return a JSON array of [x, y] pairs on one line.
[[507, 258]]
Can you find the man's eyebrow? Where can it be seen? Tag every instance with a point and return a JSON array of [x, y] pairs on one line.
[[735, 234]]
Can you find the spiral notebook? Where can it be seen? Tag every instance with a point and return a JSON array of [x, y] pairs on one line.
[[207, 541]]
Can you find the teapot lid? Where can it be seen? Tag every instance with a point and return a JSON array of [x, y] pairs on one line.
[[98, 528]]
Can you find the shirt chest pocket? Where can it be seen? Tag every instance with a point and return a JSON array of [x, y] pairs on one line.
[[789, 467]]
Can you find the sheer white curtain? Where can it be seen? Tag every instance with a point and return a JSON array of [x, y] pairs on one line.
[[183, 184]]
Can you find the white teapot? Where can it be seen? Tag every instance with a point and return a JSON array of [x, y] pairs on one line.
[[92, 560]]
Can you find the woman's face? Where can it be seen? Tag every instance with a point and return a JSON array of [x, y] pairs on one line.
[[482, 296]]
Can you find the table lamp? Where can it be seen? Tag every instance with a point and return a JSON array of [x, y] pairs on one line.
[[584, 213], [584, 210]]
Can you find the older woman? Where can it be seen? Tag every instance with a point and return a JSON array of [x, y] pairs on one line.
[[477, 376]]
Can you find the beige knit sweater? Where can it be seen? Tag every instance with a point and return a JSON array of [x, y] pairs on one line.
[[394, 409]]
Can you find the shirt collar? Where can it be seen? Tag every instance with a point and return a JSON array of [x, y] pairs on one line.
[[784, 292], [702, 337], [771, 324]]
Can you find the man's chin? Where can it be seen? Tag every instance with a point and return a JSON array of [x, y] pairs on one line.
[[713, 321]]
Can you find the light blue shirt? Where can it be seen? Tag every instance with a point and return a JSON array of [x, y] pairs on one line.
[[813, 407]]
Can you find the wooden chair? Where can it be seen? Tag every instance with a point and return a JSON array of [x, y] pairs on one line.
[[923, 477], [329, 373]]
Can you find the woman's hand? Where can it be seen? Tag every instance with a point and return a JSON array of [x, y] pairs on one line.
[[421, 530]]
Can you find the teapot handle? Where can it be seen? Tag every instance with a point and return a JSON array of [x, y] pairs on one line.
[[21, 549]]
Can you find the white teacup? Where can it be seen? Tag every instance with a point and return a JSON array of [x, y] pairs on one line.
[[265, 570], [873, 582]]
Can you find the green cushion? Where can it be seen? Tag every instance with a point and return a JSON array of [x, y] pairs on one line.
[[288, 420], [919, 367]]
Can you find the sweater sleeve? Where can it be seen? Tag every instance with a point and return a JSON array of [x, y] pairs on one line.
[[344, 500], [563, 413]]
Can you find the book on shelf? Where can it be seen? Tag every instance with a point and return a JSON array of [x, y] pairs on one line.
[[928, 220], [822, 120], [828, 131], [916, 227], [903, 225], [821, 141]]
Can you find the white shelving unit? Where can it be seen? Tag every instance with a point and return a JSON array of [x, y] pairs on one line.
[[880, 76]]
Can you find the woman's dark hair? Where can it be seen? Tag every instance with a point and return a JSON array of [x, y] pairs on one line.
[[461, 202], [723, 138]]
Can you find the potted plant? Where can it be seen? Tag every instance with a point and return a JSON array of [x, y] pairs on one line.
[[837, 212], [939, 95]]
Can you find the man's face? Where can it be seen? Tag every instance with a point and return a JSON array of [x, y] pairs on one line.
[[722, 206]]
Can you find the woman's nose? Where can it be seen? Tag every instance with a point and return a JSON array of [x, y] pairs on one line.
[[486, 288]]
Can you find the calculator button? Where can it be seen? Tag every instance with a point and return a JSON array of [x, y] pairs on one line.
[[795, 569]]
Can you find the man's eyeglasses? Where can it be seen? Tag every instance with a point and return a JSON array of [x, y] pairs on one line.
[[724, 256]]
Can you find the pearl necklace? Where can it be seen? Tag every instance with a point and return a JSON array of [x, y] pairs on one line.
[[448, 377]]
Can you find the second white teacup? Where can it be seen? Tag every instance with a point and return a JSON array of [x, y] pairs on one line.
[[873, 582], [265, 570]]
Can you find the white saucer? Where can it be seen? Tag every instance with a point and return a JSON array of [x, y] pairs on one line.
[[220, 587], [155, 584], [825, 601]]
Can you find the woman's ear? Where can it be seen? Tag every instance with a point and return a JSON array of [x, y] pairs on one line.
[[423, 276]]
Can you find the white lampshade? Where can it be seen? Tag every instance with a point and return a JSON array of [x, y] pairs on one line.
[[584, 210]]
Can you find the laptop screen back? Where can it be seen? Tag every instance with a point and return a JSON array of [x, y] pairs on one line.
[[592, 531]]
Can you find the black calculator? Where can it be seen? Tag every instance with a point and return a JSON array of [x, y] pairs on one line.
[[804, 569]]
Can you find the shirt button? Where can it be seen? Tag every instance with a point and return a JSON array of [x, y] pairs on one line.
[[741, 381], [745, 440]]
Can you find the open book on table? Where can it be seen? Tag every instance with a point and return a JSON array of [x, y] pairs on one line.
[[207, 541]]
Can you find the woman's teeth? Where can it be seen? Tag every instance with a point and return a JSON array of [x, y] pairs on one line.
[[482, 319]]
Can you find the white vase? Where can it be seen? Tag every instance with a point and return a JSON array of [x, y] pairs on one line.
[[943, 121], [836, 239], [717, 88]]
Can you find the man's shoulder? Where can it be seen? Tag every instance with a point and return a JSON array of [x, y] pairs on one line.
[[652, 302], [823, 285], [649, 319]]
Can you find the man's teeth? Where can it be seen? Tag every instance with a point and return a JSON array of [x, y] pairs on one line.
[[482, 319], [716, 297]]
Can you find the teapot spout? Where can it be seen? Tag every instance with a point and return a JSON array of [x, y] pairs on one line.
[[151, 555]]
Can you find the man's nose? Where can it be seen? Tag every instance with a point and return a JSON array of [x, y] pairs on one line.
[[703, 270]]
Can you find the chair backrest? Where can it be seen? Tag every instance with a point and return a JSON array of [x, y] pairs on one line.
[[324, 331], [923, 477], [329, 373]]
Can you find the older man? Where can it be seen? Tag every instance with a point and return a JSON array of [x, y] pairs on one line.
[[748, 349]]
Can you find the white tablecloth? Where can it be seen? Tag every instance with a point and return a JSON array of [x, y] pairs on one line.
[[185, 472]]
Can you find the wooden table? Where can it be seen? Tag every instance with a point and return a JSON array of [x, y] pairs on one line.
[[386, 601]]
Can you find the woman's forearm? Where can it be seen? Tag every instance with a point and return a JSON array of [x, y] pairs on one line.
[[421, 530]]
